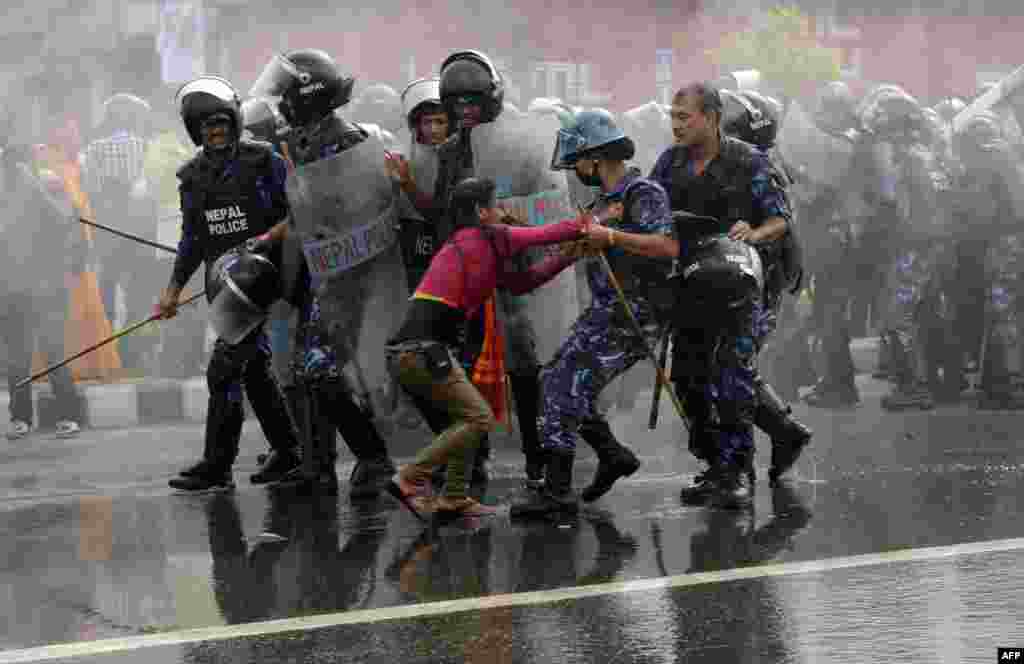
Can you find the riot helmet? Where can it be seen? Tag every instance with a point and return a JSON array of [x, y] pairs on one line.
[[746, 79], [419, 97], [470, 78], [546, 105], [309, 83], [260, 119], [126, 112], [468, 197], [241, 288], [714, 271], [750, 117], [890, 112], [949, 108], [983, 132], [590, 133], [835, 107], [208, 98], [379, 104]]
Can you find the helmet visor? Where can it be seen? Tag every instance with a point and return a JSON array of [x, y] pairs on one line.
[[211, 85], [568, 145], [278, 77]]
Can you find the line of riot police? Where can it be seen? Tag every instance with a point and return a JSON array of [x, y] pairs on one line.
[[322, 236]]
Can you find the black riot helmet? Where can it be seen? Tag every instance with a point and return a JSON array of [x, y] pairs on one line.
[[309, 83], [469, 196], [126, 112], [206, 96], [470, 76], [751, 117], [241, 287]]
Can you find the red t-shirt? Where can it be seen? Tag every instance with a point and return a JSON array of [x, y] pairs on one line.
[[466, 270]]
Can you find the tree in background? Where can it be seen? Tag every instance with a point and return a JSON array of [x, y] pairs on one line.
[[785, 49]]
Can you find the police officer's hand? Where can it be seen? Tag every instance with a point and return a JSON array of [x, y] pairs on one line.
[[743, 232], [598, 237], [167, 307]]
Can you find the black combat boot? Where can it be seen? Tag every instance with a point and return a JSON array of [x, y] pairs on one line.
[[614, 459], [788, 435], [907, 393], [733, 490], [557, 496], [526, 391], [276, 466], [317, 473], [211, 480], [374, 468], [222, 433], [704, 485]]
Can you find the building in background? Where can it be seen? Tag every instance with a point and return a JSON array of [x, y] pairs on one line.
[[594, 52]]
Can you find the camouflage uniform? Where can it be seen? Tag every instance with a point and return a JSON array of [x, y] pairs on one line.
[[602, 343]]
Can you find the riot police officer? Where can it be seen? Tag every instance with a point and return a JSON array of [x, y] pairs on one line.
[[709, 174], [603, 343], [339, 167], [233, 190]]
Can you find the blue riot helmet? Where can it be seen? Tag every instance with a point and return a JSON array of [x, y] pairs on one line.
[[589, 133]]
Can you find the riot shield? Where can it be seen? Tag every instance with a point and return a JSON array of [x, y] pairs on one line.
[[418, 236], [1008, 91], [345, 212], [817, 156], [515, 153]]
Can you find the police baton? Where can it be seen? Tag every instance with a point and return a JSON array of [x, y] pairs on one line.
[[126, 331], [652, 423], [659, 370], [129, 236]]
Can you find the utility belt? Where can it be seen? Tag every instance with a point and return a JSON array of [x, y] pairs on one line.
[[438, 358]]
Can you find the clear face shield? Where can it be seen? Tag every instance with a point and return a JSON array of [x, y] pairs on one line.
[[567, 147], [278, 77], [233, 315]]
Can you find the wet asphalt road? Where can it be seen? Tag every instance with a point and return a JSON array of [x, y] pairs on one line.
[[97, 548]]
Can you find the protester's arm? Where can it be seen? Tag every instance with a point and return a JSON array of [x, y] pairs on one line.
[[520, 282], [520, 238]]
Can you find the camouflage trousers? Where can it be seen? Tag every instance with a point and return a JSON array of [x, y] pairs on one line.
[[602, 345], [908, 282], [1004, 310], [714, 370]]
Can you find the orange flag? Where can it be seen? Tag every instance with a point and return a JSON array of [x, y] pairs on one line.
[[86, 322], [489, 370]]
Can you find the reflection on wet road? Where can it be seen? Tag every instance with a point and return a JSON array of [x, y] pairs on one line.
[[720, 586]]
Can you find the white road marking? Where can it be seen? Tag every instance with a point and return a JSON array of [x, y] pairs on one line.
[[431, 609]]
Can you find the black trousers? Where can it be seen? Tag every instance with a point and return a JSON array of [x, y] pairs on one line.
[[23, 319], [232, 368]]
